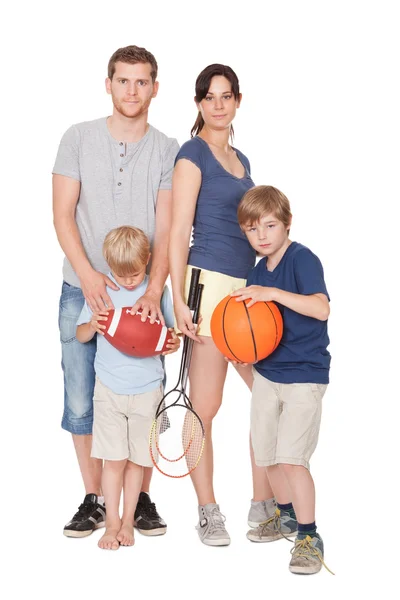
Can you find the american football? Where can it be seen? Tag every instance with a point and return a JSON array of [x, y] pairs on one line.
[[130, 335]]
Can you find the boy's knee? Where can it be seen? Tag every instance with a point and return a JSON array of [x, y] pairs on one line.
[[289, 469], [116, 466]]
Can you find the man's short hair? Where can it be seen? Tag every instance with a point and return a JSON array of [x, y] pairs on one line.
[[133, 55]]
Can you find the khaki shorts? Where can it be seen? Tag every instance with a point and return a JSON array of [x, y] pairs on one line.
[[216, 287], [285, 420], [122, 424]]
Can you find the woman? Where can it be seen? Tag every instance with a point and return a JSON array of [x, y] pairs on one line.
[[210, 178]]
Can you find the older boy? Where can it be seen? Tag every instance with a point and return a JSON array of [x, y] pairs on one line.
[[289, 384]]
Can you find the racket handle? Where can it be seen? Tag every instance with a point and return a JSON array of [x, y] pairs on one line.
[[196, 306], [196, 314], [194, 281]]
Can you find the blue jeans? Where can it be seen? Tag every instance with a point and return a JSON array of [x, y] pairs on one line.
[[77, 364]]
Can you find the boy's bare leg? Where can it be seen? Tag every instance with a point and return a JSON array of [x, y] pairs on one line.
[[302, 491], [133, 478], [91, 468], [147, 473], [112, 480], [280, 484]]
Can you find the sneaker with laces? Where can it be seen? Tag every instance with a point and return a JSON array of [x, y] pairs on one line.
[[147, 519], [260, 512], [90, 516], [280, 525], [211, 526], [307, 555]]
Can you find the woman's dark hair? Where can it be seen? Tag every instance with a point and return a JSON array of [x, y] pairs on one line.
[[203, 83]]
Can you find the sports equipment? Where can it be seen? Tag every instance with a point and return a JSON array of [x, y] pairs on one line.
[[177, 434], [130, 335], [245, 334]]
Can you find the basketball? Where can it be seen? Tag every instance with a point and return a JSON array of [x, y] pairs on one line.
[[245, 334], [130, 335]]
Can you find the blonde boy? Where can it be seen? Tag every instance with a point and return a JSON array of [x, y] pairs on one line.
[[127, 389]]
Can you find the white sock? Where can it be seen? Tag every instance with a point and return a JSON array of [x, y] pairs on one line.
[[100, 500]]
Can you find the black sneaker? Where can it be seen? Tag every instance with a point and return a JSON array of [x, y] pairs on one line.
[[147, 519], [90, 516]]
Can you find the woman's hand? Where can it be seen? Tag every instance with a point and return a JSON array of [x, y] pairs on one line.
[[184, 320]]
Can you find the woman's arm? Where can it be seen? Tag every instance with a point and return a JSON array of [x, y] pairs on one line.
[[186, 183]]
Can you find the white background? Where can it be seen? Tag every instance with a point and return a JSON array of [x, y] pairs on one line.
[[319, 119]]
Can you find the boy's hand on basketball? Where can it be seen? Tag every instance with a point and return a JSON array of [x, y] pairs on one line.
[[236, 363], [255, 293], [95, 322], [173, 343]]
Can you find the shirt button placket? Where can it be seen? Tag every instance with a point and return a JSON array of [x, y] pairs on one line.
[[121, 170]]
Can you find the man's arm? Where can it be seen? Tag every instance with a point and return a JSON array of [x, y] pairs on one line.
[[65, 199], [159, 267], [149, 303]]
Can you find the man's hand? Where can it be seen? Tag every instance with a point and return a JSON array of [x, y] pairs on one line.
[[256, 293], [94, 323], [149, 305], [94, 289], [173, 343]]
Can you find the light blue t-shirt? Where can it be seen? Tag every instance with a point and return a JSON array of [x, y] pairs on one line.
[[121, 373]]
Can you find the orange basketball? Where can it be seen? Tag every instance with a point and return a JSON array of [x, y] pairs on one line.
[[246, 334]]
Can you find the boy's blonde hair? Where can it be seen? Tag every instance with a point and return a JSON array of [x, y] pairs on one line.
[[263, 200], [126, 250]]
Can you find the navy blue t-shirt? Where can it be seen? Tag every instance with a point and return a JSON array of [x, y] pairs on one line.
[[302, 355], [218, 242]]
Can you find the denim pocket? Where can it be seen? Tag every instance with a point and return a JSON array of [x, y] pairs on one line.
[[71, 304]]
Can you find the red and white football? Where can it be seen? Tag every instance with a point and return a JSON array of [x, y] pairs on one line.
[[130, 335]]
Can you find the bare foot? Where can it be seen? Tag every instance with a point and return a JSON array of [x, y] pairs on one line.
[[125, 535], [109, 540]]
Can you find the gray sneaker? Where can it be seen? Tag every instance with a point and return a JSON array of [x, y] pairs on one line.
[[211, 526], [280, 525], [260, 512], [308, 555]]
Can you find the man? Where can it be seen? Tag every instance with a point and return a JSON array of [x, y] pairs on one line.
[[109, 172]]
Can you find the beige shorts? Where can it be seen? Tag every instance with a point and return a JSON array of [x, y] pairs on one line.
[[122, 423], [285, 420], [216, 287]]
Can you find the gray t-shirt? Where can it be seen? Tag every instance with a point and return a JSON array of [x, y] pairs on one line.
[[119, 183]]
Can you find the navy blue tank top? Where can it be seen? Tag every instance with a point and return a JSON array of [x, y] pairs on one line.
[[218, 242]]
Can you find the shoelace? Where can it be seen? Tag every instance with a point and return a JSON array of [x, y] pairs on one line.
[[272, 523], [151, 511], [216, 521], [84, 510], [305, 548]]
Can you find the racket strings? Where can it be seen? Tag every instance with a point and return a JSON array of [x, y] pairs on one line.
[[178, 448], [177, 436]]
